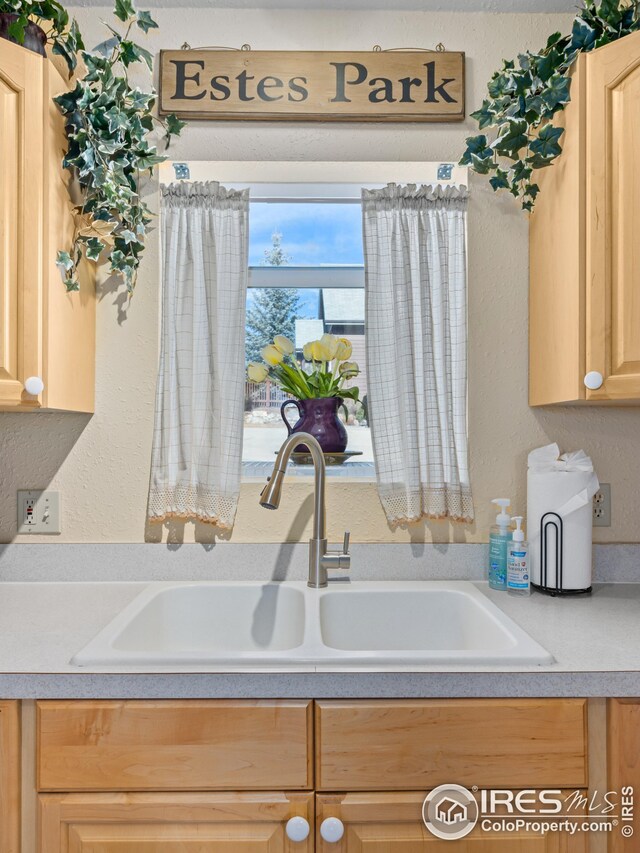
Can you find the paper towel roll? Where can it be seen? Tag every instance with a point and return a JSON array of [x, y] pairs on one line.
[[564, 485]]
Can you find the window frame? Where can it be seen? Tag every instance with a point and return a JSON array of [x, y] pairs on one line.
[[301, 278]]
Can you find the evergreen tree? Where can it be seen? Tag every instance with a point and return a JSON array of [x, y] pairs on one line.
[[273, 310], [276, 256]]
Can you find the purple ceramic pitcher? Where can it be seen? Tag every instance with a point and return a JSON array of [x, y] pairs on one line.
[[318, 417]]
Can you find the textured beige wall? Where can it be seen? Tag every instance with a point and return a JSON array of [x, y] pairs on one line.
[[101, 464]]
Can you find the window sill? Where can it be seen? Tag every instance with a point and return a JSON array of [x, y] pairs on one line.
[[362, 472]]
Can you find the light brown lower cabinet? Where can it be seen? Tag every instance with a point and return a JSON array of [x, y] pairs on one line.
[[623, 759], [226, 776], [172, 823], [10, 777], [392, 823]]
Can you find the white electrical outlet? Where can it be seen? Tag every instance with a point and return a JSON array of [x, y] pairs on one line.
[[602, 506], [38, 511]]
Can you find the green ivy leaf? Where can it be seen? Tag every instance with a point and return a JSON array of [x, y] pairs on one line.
[[499, 85], [557, 91], [106, 47], [64, 261], [477, 145], [16, 28], [131, 52], [139, 100], [68, 101], [583, 35], [124, 10], [547, 65], [500, 180], [610, 12], [175, 126], [553, 39], [148, 161], [537, 161], [74, 37], [116, 119], [146, 22], [522, 83], [94, 248], [482, 165], [546, 145], [521, 172], [511, 139]]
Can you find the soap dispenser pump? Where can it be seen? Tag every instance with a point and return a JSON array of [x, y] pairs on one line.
[[518, 574], [499, 538]]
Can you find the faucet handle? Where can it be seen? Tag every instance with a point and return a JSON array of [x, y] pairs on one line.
[[265, 487], [345, 544]]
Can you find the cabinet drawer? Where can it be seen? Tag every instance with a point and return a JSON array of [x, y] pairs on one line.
[[416, 745], [166, 745]]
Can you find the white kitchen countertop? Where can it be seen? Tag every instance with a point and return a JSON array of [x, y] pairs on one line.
[[595, 641]]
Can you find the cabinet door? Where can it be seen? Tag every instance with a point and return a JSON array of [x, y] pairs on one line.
[[392, 823], [613, 219], [172, 823], [623, 759], [9, 777], [21, 200]]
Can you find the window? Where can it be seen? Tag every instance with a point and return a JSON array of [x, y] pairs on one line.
[[314, 208], [306, 278]]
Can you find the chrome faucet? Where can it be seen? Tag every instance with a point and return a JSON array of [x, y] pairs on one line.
[[319, 558]]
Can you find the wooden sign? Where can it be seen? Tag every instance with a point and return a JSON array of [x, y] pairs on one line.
[[312, 86]]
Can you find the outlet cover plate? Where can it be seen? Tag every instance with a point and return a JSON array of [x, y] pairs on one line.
[[45, 515], [602, 506]]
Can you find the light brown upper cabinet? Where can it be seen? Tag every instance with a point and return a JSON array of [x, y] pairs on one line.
[[584, 300], [44, 332]]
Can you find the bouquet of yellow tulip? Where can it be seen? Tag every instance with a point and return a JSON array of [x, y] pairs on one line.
[[323, 373]]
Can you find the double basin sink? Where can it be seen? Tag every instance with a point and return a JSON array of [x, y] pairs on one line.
[[275, 625]]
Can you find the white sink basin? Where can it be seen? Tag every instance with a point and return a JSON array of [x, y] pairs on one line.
[[287, 624], [226, 618], [432, 621]]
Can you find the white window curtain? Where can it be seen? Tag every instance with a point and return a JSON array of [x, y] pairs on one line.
[[416, 303], [197, 443]]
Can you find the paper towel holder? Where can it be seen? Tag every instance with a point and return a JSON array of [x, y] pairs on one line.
[[551, 521]]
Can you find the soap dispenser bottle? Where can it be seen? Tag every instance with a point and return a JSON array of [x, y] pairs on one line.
[[499, 537], [518, 574]]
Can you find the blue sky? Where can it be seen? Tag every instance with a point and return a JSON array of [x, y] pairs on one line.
[[312, 233]]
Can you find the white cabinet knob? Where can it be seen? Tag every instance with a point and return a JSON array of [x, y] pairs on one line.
[[331, 829], [593, 380], [34, 386], [297, 829]]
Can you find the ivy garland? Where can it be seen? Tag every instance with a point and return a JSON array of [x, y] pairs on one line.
[[110, 124], [524, 96]]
